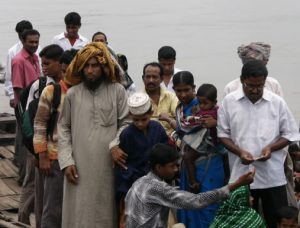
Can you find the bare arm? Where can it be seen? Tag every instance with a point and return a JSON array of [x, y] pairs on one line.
[[278, 145]]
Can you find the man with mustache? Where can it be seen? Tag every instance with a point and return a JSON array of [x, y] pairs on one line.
[[93, 115], [255, 125], [163, 102], [25, 69]]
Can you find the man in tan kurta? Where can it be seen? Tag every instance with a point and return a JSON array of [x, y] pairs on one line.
[[93, 114]]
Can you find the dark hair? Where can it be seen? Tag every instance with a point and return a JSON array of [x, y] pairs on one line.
[[154, 64], [99, 33], [68, 56], [122, 60], [207, 90], [162, 154], [23, 25], [255, 68], [29, 32], [166, 52], [184, 77], [287, 212], [52, 51], [73, 18]]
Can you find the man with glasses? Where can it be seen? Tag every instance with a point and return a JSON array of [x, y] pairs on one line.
[[255, 125]]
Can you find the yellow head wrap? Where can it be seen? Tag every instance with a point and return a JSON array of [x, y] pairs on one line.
[[94, 49]]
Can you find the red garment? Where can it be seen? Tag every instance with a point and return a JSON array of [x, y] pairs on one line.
[[25, 69]]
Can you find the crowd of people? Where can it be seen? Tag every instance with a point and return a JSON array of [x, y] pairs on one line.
[[103, 154]]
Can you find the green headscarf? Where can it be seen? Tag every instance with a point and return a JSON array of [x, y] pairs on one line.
[[236, 212]]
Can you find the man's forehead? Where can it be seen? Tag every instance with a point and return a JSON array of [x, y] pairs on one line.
[[256, 79], [152, 69], [32, 37], [166, 61]]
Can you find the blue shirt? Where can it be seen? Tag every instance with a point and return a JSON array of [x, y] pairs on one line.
[[138, 145]]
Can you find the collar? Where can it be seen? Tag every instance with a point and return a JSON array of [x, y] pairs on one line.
[[163, 93], [239, 94], [154, 176], [26, 55], [62, 36]]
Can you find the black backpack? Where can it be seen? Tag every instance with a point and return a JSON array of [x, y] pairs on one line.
[[26, 119]]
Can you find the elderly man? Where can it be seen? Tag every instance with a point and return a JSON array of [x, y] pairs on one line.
[[255, 125], [163, 102], [93, 114], [254, 51]]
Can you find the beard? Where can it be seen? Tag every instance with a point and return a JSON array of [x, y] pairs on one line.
[[92, 84]]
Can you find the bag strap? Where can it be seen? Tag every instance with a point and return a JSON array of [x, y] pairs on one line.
[[42, 84], [56, 96], [55, 104]]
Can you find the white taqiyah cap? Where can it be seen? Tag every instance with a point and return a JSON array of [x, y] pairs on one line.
[[139, 103]]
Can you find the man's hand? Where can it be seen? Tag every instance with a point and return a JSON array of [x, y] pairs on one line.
[[245, 179], [208, 121], [165, 117], [12, 103], [246, 157], [44, 164], [119, 156], [195, 187], [266, 153], [71, 174]]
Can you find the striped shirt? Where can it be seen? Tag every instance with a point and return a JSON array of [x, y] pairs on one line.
[[42, 142], [148, 201]]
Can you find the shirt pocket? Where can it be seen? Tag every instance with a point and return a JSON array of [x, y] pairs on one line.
[[268, 128], [107, 116]]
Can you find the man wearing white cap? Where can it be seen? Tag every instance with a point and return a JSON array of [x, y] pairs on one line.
[[136, 141]]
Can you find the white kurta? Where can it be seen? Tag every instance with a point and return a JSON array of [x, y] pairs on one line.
[[89, 125]]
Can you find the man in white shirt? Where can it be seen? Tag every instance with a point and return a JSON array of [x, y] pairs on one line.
[[12, 52], [254, 51], [71, 38], [167, 58], [255, 125]]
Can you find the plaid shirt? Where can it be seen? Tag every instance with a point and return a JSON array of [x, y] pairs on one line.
[[148, 201]]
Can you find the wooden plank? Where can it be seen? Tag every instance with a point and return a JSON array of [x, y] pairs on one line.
[[11, 148], [5, 153], [9, 202], [12, 218], [7, 169], [5, 190], [7, 120], [12, 183], [7, 138]]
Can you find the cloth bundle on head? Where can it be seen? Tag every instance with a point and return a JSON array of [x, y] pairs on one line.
[[236, 212], [139, 103], [254, 51], [94, 49]]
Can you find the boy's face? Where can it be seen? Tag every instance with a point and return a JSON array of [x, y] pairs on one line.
[[288, 223], [72, 31], [141, 121], [51, 68], [205, 103], [167, 171]]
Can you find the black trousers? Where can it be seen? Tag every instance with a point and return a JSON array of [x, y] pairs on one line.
[[272, 199]]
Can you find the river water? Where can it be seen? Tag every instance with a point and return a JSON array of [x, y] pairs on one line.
[[205, 34]]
